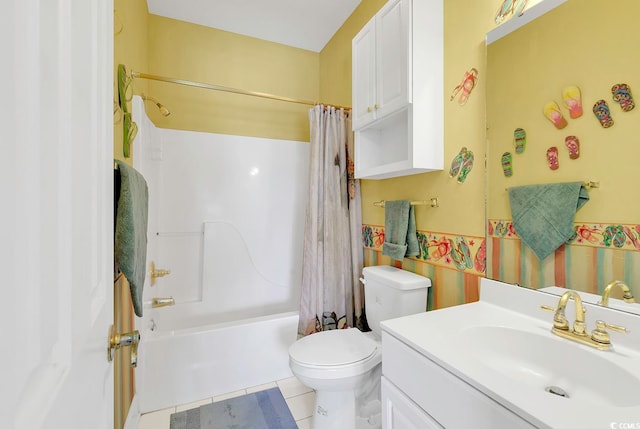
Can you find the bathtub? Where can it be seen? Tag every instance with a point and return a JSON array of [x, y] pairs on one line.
[[226, 218], [182, 366]]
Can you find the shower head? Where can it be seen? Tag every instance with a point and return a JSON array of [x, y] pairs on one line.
[[163, 110]]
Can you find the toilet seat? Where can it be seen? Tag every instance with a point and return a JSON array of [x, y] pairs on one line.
[[334, 354], [333, 348]]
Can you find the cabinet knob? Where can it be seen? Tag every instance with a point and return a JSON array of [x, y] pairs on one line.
[[375, 106], [368, 109]]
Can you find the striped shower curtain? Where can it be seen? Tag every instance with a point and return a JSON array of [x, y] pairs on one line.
[[332, 296]]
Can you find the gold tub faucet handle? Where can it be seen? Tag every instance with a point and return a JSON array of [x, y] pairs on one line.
[[157, 273]]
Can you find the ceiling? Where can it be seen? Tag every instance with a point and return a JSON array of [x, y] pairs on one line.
[[306, 24]]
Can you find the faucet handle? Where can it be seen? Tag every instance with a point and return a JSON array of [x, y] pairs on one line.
[[559, 321], [601, 335]]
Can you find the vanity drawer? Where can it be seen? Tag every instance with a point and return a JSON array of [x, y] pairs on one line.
[[445, 397]]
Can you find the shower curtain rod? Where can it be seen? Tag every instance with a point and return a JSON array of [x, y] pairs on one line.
[[227, 89]]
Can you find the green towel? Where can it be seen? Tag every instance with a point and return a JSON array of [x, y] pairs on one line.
[[400, 238], [130, 245], [543, 214]]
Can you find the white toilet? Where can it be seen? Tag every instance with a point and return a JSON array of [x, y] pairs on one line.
[[343, 366]]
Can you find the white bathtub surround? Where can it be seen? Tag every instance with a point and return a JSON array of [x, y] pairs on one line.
[[226, 217], [328, 279]]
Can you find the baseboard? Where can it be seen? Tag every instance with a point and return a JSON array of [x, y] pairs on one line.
[[133, 416]]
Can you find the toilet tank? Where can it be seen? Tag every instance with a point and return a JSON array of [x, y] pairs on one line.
[[390, 292]]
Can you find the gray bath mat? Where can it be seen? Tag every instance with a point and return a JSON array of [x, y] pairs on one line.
[[260, 410]]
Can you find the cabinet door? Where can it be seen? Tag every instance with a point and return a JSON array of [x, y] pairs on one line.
[[392, 57], [399, 412], [363, 76]]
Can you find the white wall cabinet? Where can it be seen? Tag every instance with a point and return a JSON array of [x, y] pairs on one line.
[[397, 90], [440, 395], [380, 64]]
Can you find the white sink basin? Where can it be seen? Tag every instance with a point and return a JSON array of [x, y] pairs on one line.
[[503, 347], [544, 362]]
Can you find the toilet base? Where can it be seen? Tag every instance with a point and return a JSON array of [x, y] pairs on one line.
[[358, 408]]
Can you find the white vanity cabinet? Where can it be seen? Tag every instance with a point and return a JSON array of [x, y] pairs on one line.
[[400, 412], [421, 394], [397, 65]]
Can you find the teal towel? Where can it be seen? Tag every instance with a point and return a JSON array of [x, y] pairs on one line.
[[130, 245], [543, 214], [400, 238]]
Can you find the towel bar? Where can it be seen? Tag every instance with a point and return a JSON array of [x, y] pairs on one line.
[[589, 184], [433, 202]]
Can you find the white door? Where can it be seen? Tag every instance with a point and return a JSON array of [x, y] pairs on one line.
[[56, 213]]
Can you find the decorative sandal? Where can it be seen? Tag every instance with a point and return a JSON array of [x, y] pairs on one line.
[[553, 113], [461, 255], [622, 94], [457, 162], [573, 100], [467, 165], [602, 112], [615, 234], [480, 261], [573, 145], [507, 164], [520, 139], [466, 86], [632, 237], [509, 6], [552, 158]]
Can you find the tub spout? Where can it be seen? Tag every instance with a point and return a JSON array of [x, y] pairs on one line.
[[162, 302]]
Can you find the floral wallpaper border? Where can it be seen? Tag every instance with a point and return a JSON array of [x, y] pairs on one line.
[[463, 253], [616, 236]]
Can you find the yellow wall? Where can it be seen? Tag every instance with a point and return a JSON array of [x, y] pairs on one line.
[[335, 57], [529, 68], [593, 56], [130, 47], [461, 205], [192, 52]]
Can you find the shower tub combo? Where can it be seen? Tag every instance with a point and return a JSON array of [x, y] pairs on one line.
[[226, 217]]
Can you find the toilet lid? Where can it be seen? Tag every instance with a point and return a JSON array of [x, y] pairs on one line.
[[335, 347]]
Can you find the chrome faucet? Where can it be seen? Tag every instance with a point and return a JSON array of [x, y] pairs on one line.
[[626, 293], [599, 337]]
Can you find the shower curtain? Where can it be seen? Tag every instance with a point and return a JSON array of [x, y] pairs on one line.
[[332, 296]]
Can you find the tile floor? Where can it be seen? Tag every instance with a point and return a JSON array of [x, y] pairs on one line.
[[299, 398]]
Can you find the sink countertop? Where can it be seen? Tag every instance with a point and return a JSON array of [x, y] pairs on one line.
[[433, 334]]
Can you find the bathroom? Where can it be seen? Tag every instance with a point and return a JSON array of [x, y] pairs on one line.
[[154, 44]]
